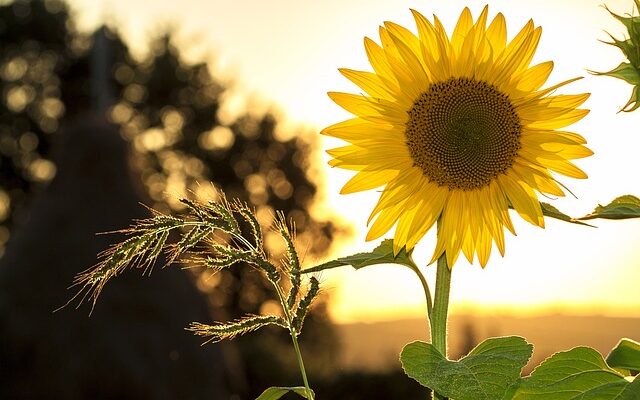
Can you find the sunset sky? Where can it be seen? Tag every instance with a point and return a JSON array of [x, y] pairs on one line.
[[284, 55]]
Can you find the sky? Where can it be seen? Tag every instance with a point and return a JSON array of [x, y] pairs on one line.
[[283, 55]]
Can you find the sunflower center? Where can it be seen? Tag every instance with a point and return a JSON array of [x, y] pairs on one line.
[[463, 133]]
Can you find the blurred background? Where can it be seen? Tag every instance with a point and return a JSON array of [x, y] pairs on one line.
[[107, 105]]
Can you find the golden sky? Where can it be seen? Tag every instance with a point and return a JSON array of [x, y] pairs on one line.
[[286, 52]]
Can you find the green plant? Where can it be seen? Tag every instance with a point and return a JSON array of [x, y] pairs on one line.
[[215, 235]]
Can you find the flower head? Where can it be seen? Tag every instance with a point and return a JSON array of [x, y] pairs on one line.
[[457, 129]]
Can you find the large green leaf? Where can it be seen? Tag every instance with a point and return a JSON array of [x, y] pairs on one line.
[[383, 254], [577, 374], [632, 392], [623, 207], [625, 355], [274, 393], [484, 374]]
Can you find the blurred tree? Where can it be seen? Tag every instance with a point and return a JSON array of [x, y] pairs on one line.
[[45, 71], [169, 110], [32, 55]]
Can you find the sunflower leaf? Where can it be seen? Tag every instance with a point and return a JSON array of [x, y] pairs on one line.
[[624, 71], [383, 254], [274, 393], [623, 207], [626, 355], [634, 101], [550, 211], [580, 373], [486, 373]]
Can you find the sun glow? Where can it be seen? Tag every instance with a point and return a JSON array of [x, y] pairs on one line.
[[564, 268]]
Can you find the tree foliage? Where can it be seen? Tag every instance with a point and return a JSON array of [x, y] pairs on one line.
[[169, 110]]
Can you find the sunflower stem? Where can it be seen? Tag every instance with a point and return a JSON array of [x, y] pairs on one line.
[[440, 310]]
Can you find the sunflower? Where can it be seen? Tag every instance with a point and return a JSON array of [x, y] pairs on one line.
[[458, 130]]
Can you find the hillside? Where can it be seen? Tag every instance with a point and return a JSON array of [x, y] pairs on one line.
[[375, 346]]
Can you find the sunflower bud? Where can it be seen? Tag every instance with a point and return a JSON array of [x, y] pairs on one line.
[[628, 71]]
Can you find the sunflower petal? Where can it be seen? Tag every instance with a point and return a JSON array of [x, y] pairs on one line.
[[385, 221], [465, 22], [369, 82], [367, 180], [497, 34], [523, 199], [533, 78]]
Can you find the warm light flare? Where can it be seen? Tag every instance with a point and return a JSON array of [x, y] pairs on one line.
[[558, 268]]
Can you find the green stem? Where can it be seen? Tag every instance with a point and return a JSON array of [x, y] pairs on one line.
[[441, 309], [294, 339], [425, 288]]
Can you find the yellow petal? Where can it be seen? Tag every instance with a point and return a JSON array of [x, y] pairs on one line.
[[367, 180], [492, 220], [405, 36], [432, 47], [565, 167], [358, 129], [404, 186], [561, 121], [378, 61], [497, 34], [538, 179], [370, 83], [369, 108], [453, 225], [418, 77], [401, 70], [465, 22], [551, 107], [385, 221], [402, 229], [533, 78], [484, 247], [538, 138], [523, 199], [359, 159], [432, 202], [523, 99], [516, 58], [500, 205]]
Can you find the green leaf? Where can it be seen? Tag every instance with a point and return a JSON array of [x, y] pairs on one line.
[[274, 393], [580, 373], [632, 392], [624, 71], [632, 23], [383, 254], [634, 101], [484, 374], [623, 207], [550, 211], [625, 355]]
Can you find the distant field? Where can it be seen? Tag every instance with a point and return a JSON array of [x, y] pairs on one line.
[[375, 346]]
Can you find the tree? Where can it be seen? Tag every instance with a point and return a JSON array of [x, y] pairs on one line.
[[168, 110]]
